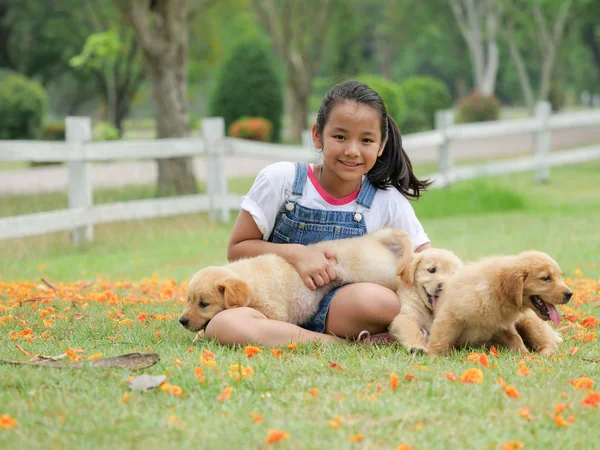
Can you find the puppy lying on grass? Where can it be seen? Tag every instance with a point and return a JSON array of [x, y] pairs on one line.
[[483, 303], [424, 277], [272, 286]]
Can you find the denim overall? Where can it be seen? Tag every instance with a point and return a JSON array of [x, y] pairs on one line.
[[296, 224]]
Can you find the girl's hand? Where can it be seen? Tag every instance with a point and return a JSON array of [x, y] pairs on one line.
[[313, 266]]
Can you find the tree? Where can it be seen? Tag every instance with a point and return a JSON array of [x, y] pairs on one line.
[[247, 85], [298, 29], [590, 30], [60, 30], [161, 29], [478, 22], [538, 26]]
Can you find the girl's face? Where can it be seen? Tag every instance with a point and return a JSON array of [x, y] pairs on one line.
[[351, 143]]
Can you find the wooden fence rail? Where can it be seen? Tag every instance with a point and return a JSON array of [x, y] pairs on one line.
[[78, 152]]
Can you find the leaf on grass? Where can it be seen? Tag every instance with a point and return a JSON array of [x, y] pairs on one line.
[[145, 382], [132, 361]]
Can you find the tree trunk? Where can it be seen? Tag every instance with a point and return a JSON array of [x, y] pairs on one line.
[[298, 113], [175, 175], [521, 70], [161, 28]]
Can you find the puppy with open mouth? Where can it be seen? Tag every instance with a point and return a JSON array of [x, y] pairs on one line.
[[488, 300], [423, 279]]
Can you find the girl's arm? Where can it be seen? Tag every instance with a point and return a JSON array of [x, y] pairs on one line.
[[247, 241]]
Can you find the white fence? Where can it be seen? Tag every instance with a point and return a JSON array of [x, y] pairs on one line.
[[78, 152]]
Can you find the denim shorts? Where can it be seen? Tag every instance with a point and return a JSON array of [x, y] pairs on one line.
[[317, 322]]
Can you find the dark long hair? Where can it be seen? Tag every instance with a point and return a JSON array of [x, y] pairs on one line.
[[393, 167]]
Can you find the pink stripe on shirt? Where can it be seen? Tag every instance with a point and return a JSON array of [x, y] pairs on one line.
[[325, 196]]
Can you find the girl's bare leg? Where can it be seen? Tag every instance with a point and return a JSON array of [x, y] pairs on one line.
[[248, 326], [361, 306]]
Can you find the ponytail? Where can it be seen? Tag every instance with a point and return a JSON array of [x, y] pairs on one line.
[[393, 167]]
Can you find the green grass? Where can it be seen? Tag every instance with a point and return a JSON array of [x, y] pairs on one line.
[[83, 409]]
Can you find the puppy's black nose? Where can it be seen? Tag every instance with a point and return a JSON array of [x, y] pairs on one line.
[[439, 288], [567, 295], [183, 321]]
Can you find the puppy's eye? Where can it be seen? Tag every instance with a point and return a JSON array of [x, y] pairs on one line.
[[547, 278], [431, 270], [203, 304]]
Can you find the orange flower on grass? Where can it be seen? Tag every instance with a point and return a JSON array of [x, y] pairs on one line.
[[524, 413], [510, 391], [256, 418], [589, 322], [494, 352], [314, 392], [142, 317], [573, 350], [451, 376], [225, 394], [409, 377], [560, 421], [404, 447], [335, 365], [582, 383], [276, 352], [171, 389], [7, 422], [275, 436], [471, 376], [394, 381], [335, 422], [356, 438], [199, 372], [94, 356], [592, 399], [250, 351], [560, 407], [523, 369], [512, 445], [292, 346], [125, 397]]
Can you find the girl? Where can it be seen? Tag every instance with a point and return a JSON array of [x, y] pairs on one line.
[[361, 186]]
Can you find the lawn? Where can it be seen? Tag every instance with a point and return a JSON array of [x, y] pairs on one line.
[[339, 396]]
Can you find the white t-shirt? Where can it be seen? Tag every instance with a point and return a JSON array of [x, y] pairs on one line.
[[273, 186]]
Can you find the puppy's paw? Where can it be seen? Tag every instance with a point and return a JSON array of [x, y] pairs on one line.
[[417, 349]]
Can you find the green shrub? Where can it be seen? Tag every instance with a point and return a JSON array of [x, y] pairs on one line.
[[104, 131], [424, 96], [478, 108], [390, 92], [247, 86], [252, 128], [23, 104]]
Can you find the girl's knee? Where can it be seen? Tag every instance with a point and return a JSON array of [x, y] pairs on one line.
[[374, 302], [231, 326]]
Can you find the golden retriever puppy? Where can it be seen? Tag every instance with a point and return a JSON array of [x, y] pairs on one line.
[[423, 280], [272, 286], [483, 302]]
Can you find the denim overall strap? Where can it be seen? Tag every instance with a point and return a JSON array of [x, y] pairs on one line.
[[300, 178], [367, 194]]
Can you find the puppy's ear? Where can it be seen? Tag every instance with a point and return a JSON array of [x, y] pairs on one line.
[[407, 271], [512, 282], [235, 292]]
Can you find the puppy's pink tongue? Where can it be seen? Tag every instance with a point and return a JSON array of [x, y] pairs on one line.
[[434, 301], [554, 314]]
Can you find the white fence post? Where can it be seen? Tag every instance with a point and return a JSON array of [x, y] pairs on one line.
[[443, 120], [543, 110], [213, 132], [78, 131]]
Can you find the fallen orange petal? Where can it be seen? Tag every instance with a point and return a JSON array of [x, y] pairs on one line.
[[250, 351], [451, 376], [393, 381], [275, 436], [225, 394], [592, 399], [256, 418], [582, 383], [276, 352], [523, 369], [335, 422], [512, 445], [494, 352], [356, 438], [409, 377], [7, 422], [472, 375], [560, 407], [560, 422], [314, 392]]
